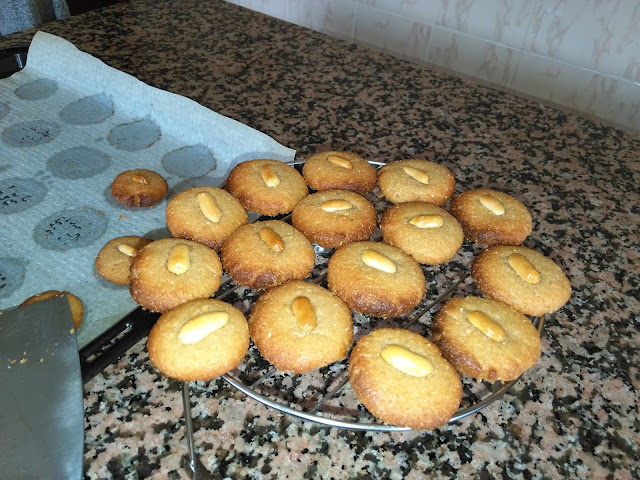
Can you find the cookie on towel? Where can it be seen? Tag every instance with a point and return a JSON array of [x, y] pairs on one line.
[[416, 180], [139, 188], [339, 170], [268, 187], [425, 231], [491, 217], [486, 339], [205, 214], [403, 380], [114, 259], [521, 277], [168, 272], [301, 326], [198, 340], [331, 218]]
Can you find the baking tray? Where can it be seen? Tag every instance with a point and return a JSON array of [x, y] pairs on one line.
[[323, 395]]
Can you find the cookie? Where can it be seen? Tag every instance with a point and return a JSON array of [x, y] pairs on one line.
[[426, 232], [114, 259], [522, 278], [268, 253], [416, 180], [205, 214], [168, 272], [139, 188], [300, 326], [198, 340], [339, 170], [268, 187], [486, 339], [403, 380], [332, 218], [376, 278], [491, 217], [77, 309]]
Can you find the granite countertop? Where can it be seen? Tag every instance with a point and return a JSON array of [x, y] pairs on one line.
[[574, 415]]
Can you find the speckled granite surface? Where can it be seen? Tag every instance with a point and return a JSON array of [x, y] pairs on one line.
[[575, 415]]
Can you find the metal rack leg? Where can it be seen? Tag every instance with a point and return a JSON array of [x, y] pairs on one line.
[[197, 469]]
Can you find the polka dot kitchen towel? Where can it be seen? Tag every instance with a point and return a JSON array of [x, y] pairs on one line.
[[69, 124]]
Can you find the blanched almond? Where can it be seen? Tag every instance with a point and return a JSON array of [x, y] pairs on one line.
[[271, 238], [419, 175], [427, 221], [179, 259], [201, 326], [269, 176], [378, 261], [340, 161], [139, 178], [303, 311], [336, 205], [524, 268], [492, 204], [406, 361], [209, 207], [487, 325], [128, 250]]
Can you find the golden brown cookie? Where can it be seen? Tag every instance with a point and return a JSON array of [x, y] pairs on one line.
[[268, 187], [522, 278], [198, 340], [172, 271], [416, 180], [139, 188], [425, 231], [331, 218], [376, 278], [339, 170], [265, 254], [205, 214], [486, 339], [402, 379], [300, 326], [491, 217], [115, 258], [77, 309]]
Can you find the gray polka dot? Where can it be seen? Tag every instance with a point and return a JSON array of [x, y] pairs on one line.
[[4, 110], [193, 161], [70, 229], [29, 134], [78, 162], [12, 271], [88, 110], [134, 136], [37, 90], [20, 194]]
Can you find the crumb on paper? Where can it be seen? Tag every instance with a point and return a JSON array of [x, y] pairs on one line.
[[123, 217], [24, 360], [72, 330], [41, 360]]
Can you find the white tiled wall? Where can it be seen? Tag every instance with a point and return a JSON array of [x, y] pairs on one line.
[[581, 54]]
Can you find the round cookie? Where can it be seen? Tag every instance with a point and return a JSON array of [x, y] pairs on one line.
[[268, 187], [522, 278], [77, 309], [205, 214], [172, 271], [426, 232], [300, 326], [198, 340], [376, 278], [265, 254], [139, 188], [332, 218], [416, 180], [491, 217], [486, 339], [421, 398], [114, 259], [339, 170]]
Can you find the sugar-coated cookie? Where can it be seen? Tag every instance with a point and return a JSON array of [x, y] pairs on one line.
[[77, 309], [491, 217], [416, 180], [198, 340], [114, 259], [139, 188], [168, 272], [339, 170], [205, 214], [521, 277], [426, 232], [268, 253], [301, 326], [331, 218], [403, 380], [486, 339], [268, 187], [376, 278]]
